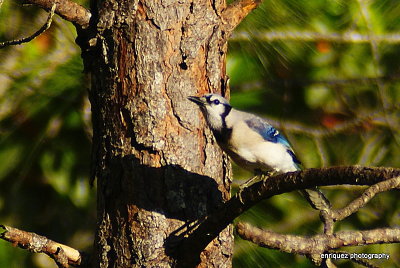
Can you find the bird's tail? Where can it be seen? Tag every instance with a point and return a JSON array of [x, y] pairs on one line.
[[317, 199], [314, 196]]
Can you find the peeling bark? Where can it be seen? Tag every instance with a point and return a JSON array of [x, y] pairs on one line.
[[157, 165]]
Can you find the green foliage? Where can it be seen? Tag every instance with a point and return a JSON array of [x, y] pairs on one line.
[[320, 84], [44, 149], [12, 257]]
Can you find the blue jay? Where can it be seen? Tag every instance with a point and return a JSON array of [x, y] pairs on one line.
[[252, 142], [249, 140]]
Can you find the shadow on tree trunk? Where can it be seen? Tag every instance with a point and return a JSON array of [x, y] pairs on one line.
[[140, 196]]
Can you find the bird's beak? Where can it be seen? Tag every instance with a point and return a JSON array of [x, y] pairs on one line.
[[198, 100]]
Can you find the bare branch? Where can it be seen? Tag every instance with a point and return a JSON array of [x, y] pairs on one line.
[[196, 240], [66, 9], [36, 34], [367, 195], [236, 12], [62, 254], [329, 216], [316, 244]]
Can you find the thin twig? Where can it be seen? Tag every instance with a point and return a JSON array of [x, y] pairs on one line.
[[36, 34], [349, 37], [323, 156], [366, 196]]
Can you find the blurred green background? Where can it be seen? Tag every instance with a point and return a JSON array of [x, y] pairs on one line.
[[325, 72]]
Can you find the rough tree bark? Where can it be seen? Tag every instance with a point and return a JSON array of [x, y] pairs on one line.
[[156, 164]]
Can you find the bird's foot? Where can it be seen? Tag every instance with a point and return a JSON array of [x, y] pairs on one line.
[[249, 182]]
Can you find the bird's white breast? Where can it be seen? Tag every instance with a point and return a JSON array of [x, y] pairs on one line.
[[251, 151]]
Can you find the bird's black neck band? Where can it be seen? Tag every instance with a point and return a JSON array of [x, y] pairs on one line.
[[228, 109], [224, 133]]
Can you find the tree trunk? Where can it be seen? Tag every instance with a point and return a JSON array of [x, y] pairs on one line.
[[157, 165]]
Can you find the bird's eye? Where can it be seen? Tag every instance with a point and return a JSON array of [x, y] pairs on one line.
[[216, 102]]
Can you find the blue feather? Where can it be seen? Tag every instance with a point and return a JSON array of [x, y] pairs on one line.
[[268, 132], [271, 134]]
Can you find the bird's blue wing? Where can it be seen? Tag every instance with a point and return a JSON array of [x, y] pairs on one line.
[[269, 133]]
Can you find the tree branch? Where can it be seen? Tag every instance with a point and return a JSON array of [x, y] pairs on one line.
[[329, 216], [366, 196], [36, 34], [66, 9], [194, 241], [347, 37], [63, 255], [236, 12], [316, 244]]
